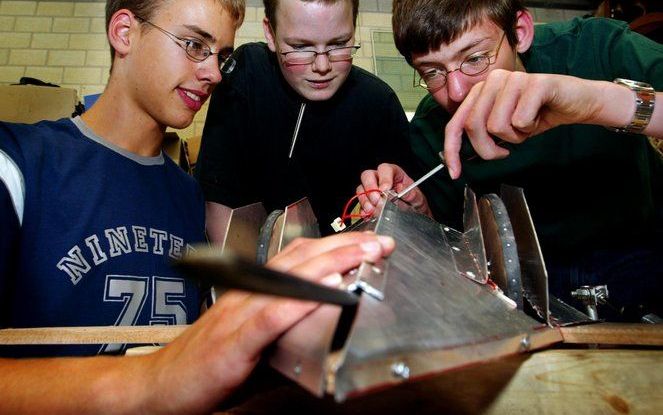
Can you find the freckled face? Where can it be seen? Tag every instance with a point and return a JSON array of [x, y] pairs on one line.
[[313, 26], [482, 38]]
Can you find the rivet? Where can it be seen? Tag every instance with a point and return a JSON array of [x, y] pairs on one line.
[[400, 370], [525, 344]]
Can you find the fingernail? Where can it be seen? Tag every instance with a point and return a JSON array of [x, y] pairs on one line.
[[332, 280], [367, 207], [452, 172], [371, 247], [386, 241]]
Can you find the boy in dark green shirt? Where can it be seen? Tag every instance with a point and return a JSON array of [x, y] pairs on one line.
[[500, 85]]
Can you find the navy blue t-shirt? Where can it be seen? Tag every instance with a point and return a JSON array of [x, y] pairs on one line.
[[88, 231]]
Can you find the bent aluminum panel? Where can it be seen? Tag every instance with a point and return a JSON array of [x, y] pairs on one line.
[[475, 265], [398, 369], [427, 308], [299, 221], [532, 265], [301, 354], [241, 235], [371, 278], [429, 318], [243, 230], [562, 314], [501, 249]]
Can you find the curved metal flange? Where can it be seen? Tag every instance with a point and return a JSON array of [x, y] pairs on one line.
[[501, 249], [265, 236]]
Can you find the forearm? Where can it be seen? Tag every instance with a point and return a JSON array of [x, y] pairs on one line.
[[72, 385]]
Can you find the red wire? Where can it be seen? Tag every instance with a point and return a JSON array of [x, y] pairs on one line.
[[345, 215]]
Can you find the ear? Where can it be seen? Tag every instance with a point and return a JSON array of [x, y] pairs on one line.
[[524, 31], [267, 28], [119, 31]]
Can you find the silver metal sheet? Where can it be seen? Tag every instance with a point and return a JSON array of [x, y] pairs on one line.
[[562, 314], [371, 278], [501, 249], [241, 237], [475, 265], [243, 230], [299, 221], [532, 265], [431, 318], [302, 353], [428, 307]]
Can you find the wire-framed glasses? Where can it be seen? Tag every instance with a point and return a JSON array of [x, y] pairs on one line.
[[196, 49], [304, 57], [473, 65]]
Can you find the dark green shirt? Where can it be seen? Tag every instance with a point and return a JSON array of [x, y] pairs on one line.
[[586, 186]]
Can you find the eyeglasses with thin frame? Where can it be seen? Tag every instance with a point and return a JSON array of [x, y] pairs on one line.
[[305, 57], [196, 49], [473, 65]]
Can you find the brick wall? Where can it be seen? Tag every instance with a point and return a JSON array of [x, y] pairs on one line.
[[64, 42]]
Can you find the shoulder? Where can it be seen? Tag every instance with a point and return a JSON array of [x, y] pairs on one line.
[[252, 59], [587, 31], [252, 51], [41, 128], [177, 174], [181, 182], [29, 139], [594, 48], [256, 70], [365, 81]]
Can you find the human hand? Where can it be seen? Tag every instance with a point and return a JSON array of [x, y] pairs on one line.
[[389, 177], [516, 105], [216, 354]]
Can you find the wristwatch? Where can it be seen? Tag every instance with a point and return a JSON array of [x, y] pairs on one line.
[[644, 105]]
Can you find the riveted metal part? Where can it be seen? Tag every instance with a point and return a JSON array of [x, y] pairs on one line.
[[525, 343], [400, 370]]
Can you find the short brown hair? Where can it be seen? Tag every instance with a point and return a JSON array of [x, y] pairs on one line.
[[147, 8], [271, 5], [423, 25]]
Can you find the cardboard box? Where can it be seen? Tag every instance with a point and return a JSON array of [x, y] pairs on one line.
[[30, 103], [193, 148]]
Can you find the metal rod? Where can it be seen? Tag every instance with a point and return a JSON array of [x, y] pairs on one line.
[[418, 182], [294, 135]]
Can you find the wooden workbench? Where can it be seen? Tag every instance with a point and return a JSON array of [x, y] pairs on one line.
[[554, 381], [571, 378]]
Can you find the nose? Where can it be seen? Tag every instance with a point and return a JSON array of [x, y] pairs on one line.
[[321, 64], [209, 71], [457, 86]]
